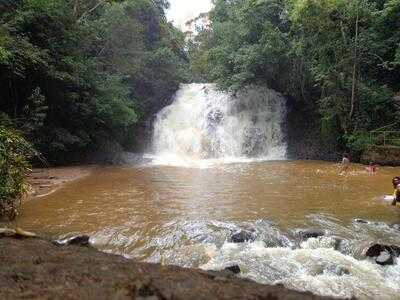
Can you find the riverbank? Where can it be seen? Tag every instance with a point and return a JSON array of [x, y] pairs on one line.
[[34, 268], [43, 182]]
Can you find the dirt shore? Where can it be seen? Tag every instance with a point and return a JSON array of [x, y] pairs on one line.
[[35, 268], [46, 181]]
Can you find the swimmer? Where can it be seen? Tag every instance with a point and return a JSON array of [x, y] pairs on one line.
[[372, 168]]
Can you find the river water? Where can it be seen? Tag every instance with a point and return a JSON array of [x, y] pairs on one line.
[[217, 166], [185, 216]]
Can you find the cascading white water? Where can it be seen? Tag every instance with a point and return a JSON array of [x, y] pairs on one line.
[[205, 124]]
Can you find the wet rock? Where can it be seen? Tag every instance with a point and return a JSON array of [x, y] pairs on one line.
[[81, 240], [17, 233], [310, 233], [242, 236], [278, 241], [215, 117], [235, 269], [23, 233], [361, 221], [384, 259], [395, 226], [376, 249], [6, 232], [395, 250]]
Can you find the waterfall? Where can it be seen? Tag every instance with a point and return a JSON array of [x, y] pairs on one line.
[[204, 124]]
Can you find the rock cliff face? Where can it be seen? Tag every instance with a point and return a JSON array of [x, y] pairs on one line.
[[33, 268], [303, 134]]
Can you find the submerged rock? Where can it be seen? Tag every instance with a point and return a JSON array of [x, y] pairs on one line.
[[361, 221], [235, 269], [242, 236], [341, 271], [309, 233], [384, 259], [81, 240]]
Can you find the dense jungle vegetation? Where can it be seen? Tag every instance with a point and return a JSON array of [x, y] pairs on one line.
[[338, 58], [78, 76]]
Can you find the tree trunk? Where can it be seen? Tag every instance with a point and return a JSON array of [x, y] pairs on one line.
[[353, 88]]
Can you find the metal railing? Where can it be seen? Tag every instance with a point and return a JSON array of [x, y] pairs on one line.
[[384, 137]]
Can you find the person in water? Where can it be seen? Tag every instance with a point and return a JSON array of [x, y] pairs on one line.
[[345, 164], [372, 168], [396, 193]]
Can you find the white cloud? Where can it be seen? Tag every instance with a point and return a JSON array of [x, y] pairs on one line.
[[183, 10]]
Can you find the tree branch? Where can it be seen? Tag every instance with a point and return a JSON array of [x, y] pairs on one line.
[[90, 10]]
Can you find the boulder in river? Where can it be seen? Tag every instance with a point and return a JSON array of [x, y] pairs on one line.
[[242, 236], [384, 259], [376, 249], [235, 269]]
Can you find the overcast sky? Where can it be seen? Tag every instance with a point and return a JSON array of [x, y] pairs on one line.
[[184, 10]]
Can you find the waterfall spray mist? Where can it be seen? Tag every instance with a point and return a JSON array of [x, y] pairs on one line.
[[205, 124]]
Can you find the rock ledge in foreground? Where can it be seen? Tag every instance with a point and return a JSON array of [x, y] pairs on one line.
[[37, 269]]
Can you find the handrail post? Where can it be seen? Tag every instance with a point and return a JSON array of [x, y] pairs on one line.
[[384, 138]]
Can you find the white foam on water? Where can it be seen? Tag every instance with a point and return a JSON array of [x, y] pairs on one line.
[[316, 267], [204, 127]]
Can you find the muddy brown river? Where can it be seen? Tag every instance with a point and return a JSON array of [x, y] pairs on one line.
[[186, 216]]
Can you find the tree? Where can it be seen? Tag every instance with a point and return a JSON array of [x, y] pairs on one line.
[[340, 58], [98, 68]]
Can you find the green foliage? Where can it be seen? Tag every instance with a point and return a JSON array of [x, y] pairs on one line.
[[341, 58], [76, 73], [14, 154]]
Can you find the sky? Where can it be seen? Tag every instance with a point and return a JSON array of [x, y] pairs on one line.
[[184, 10]]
